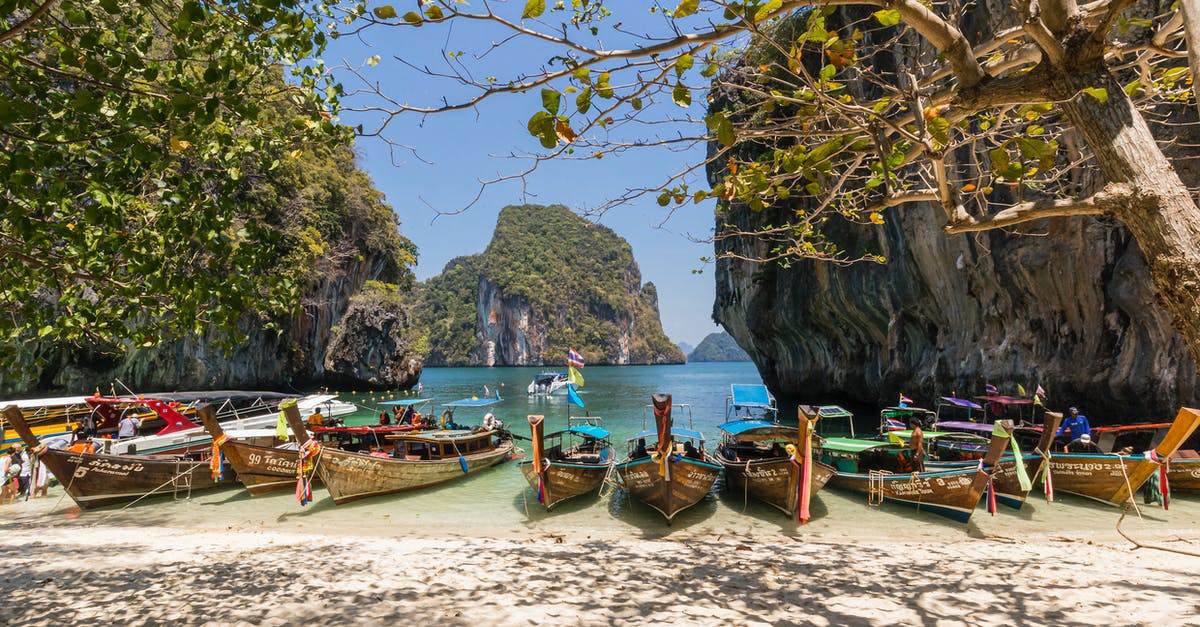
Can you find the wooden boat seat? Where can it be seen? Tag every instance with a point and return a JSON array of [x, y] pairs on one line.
[[588, 459]]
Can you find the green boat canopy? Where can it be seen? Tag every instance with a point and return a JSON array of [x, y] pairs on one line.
[[848, 445]]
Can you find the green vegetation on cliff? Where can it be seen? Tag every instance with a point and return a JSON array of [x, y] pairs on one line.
[[548, 281], [718, 347]]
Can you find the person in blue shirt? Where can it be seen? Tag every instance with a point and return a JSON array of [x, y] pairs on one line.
[[1076, 424]]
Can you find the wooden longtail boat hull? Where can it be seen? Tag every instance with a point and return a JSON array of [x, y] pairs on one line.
[[773, 481], [1183, 475], [261, 469], [352, 476], [564, 480], [1113, 479], [689, 481], [953, 493], [95, 480]]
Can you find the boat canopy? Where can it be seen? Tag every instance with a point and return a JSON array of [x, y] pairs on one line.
[[407, 402], [687, 433], [906, 434], [746, 395], [961, 402], [833, 411], [736, 427], [1005, 400], [472, 402], [547, 377], [960, 425], [848, 445], [590, 431]]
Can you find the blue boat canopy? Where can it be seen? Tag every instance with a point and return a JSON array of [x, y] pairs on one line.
[[590, 431], [687, 433], [833, 411], [962, 402], [472, 402], [407, 401], [734, 427], [746, 395]]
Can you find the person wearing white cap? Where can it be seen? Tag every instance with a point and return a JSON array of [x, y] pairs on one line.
[[1082, 444]]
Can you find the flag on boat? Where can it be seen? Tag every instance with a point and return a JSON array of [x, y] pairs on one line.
[[895, 425], [573, 396], [574, 377], [1021, 390], [988, 388], [904, 400], [574, 358], [1039, 395], [486, 391]]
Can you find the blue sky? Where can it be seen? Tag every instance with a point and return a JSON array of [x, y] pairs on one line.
[[452, 152]]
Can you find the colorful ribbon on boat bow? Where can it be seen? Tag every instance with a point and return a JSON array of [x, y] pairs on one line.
[[281, 427], [803, 478], [304, 466], [1018, 459], [991, 488], [216, 463], [1047, 484], [1162, 489], [662, 457]]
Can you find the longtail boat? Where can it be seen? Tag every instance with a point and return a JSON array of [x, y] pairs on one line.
[[677, 474], [97, 479], [886, 472], [567, 463], [256, 456], [418, 459], [1114, 477], [1010, 488], [766, 460]]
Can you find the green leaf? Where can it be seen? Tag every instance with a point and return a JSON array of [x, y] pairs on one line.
[[551, 101], [999, 158], [603, 89], [534, 8], [46, 330], [827, 72], [1099, 93], [683, 64], [719, 124], [767, 9], [385, 12], [686, 8], [582, 75], [887, 17], [636, 103], [709, 71], [434, 12], [412, 17], [939, 128], [681, 95], [583, 101]]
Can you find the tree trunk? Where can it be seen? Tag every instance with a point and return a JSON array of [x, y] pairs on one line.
[[1191, 33], [1164, 218]]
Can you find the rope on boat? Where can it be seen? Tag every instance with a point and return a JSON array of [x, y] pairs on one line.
[[611, 483], [1142, 545], [172, 480], [746, 488], [1128, 486]]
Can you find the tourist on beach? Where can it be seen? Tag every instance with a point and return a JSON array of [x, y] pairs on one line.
[[22, 458], [1075, 425], [8, 477], [128, 427], [316, 419], [41, 481]]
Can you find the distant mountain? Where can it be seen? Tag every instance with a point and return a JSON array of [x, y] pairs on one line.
[[718, 347], [548, 281], [686, 348]]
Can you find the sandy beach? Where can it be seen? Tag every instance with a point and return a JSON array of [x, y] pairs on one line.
[[82, 569]]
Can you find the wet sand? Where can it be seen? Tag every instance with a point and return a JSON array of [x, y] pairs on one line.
[[139, 566]]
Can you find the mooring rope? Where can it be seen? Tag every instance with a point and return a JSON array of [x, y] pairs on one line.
[[1142, 545]]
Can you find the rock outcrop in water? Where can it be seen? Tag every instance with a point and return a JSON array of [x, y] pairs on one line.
[[548, 281], [718, 347], [1065, 303], [332, 220]]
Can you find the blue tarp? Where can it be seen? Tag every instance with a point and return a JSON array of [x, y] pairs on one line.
[[686, 433], [742, 426], [590, 431], [472, 402], [746, 395], [407, 401]]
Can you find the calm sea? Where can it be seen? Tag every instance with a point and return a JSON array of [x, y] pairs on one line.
[[498, 502]]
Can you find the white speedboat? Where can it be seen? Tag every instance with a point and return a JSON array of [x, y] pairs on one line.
[[547, 383]]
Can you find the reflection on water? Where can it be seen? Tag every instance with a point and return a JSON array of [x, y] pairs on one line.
[[498, 502]]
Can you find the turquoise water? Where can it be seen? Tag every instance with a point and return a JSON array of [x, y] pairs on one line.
[[498, 502]]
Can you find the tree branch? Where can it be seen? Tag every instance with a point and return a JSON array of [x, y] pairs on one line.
[[1114, 196], [947, 39], [1190, 10], [29, 21]]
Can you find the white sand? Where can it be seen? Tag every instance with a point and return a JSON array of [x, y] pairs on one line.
[[58, 572]]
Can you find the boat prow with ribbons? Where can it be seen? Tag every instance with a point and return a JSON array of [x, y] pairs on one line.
[[567, 463], [677, 473]]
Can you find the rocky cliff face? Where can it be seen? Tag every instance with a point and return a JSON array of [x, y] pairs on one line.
[[1064, 303], [548, 281], [372, 346]]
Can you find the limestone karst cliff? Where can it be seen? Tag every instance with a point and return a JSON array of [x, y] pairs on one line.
[[549, 280], [1065, 303]]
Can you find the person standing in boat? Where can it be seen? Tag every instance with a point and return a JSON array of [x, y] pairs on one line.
[[128, 427], [1074, 425], [316, 419], [916, 445]]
